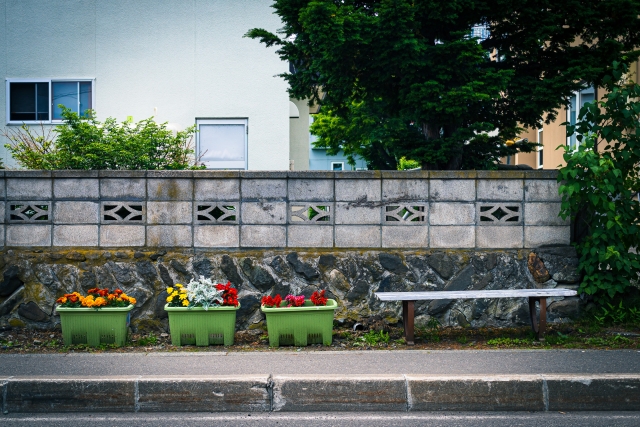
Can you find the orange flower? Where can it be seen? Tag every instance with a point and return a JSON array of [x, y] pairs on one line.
[[61, 300]]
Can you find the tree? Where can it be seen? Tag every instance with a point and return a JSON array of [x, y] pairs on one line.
[[600, 184], [405, 78]]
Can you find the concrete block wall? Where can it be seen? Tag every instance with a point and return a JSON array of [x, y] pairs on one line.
[[231, 209]]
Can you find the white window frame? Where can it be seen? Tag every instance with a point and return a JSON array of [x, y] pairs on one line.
[[578, 95], [49, 82], [539, 149], [233, 165], [337, 163]]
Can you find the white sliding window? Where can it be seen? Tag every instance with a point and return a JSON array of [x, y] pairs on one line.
[[222, 143]]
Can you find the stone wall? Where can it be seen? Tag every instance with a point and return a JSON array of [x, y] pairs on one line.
[[34, 279], [285, 232]]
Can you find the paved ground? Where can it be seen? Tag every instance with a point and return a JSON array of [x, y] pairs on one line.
[[424, 362], [386, 419]]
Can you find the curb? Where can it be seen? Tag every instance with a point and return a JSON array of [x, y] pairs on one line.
[[331, 393]]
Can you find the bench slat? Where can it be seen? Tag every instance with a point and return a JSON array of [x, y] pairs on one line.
[[506, 293]]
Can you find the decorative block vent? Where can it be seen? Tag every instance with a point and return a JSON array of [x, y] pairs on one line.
[[310, 213], [405, 214], [122, 212], [29, 212], [499, 214], [216, 213]]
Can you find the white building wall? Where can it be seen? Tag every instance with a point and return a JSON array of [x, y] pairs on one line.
[[188, 59]]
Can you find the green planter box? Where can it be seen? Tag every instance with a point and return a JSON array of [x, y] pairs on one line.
[[94, 326], [300, 326], [189, 326]]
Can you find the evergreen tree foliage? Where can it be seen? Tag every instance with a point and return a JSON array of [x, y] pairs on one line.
[[404, 78]]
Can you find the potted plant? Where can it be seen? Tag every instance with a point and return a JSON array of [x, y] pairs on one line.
[[101, 317], [296, 321], [202, 313]]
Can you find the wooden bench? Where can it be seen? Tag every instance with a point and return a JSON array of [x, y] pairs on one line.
[[535, 295]]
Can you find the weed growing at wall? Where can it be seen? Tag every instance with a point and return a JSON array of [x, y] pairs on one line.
[[600, 181], [83, 142]]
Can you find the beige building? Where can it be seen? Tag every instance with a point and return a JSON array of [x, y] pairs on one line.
[[554, 135]]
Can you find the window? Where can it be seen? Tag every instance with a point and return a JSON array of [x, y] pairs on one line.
[[222, 143], [39, 100], [337, 166], [577, 101], [540, 150]]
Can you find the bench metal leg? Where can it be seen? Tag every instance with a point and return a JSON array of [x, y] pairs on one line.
[[407, 320], [538, 326]]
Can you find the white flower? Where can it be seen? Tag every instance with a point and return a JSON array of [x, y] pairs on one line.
[[203, 293]]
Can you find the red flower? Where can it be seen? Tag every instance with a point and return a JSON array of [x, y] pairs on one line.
[[269, 301], [229, 294], [317, 298]]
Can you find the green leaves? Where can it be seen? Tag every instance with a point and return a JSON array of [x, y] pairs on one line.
[[599, 184], [83, 142], [433, 92]]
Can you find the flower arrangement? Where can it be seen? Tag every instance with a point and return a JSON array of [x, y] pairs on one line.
[[317, 299], [96, 298], [202, 293]]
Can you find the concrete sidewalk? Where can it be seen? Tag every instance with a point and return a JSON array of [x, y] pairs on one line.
[[413, 380]]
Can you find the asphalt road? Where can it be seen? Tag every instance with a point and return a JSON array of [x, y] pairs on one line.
[[325, 362], [370, 419]]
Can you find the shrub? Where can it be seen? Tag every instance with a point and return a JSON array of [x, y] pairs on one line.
[[83, 142], [599, 183]]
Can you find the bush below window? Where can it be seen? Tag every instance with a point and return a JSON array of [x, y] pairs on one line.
[[83, 142]]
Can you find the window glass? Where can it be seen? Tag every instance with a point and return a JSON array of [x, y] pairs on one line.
[[64, 93], [577, 101], [222, 145], [42, 101], [29, 101], [85, 97]]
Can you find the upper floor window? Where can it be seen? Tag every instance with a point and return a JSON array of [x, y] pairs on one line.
[[40, 100], [577, 101]]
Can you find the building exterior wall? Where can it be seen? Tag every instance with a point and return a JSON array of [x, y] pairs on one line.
[[178, 60], [299, 136]]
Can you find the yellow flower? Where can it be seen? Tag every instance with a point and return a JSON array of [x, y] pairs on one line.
[[185, 303], [174, 294], [178, 285], [169, 298], [169, 290], [182, 297]]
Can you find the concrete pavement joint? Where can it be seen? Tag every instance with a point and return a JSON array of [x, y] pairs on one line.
[[5, 386], [136, 396], [270, 391], [408, 390], [545, 393]]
